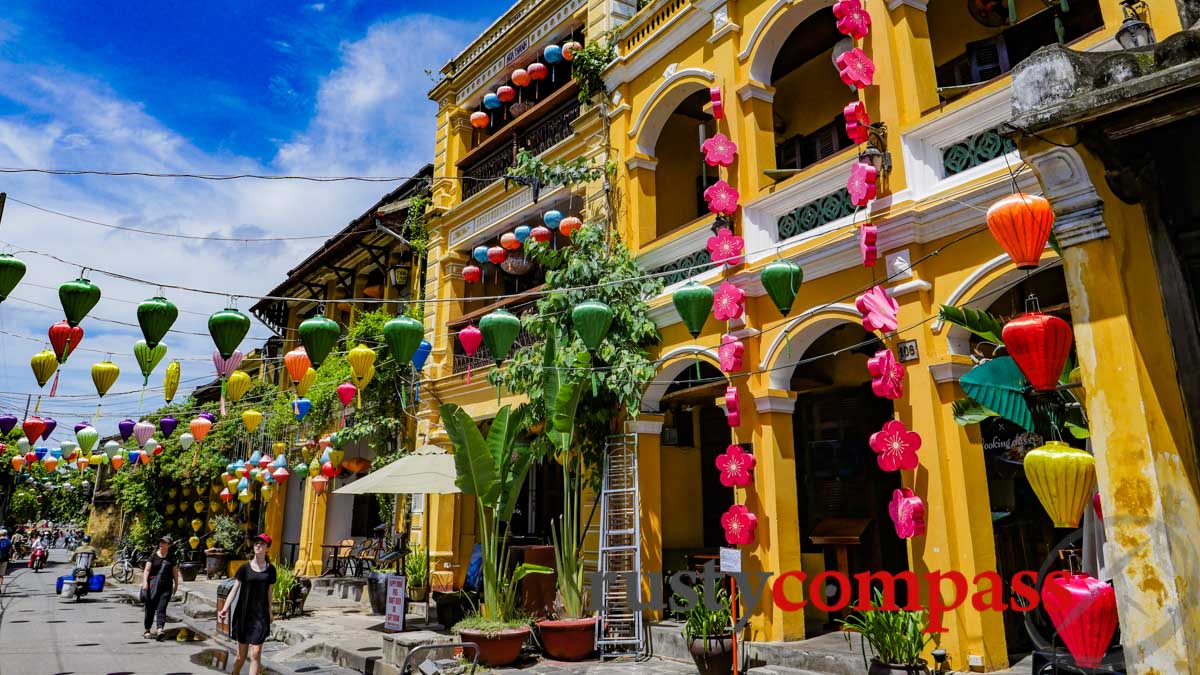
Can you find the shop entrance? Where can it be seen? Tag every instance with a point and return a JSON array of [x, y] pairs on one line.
[[842, 493]]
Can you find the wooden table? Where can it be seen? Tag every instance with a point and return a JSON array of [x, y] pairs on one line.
[[840, 533]]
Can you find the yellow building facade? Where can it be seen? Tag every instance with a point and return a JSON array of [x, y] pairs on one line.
[[943, 95]]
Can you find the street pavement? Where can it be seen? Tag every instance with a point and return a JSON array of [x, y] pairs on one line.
[[42, 634]]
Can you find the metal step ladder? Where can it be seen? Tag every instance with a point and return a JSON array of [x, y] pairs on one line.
[[619, 630]]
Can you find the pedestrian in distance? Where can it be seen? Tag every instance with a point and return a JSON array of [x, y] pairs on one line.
[[5, 552], [159, 581], [249, 606]]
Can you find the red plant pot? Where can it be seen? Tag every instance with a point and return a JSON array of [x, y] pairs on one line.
[[569, 639], [500, 649]]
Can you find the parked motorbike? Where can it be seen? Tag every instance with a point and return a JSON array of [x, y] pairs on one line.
[[37, 559]]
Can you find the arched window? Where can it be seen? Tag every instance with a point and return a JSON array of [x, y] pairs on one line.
[[682, 176]]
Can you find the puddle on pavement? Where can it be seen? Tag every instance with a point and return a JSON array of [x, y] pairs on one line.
[[220, 661]]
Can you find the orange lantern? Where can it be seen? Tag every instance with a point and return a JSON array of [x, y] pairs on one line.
[[319, 483], [356, 464], [199, 428], [569, 225], [520, 77], [297, 363], [1021, 224], [480, 119]]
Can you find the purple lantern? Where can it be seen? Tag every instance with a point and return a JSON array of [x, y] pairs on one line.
[[80, 426], [50, 426], [167, 425], [126, 428], [208, 416], [7, 422]]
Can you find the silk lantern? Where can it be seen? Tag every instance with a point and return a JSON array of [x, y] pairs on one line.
[[1040, 344], [7, 423], [496, 255], [1021, 224], [480, 119], [592, 320], [104, 375], [1083, 610], [520, 77], [693, 301], [552, 54], [1064, 480], [297, 363], [18, 462], [541, 234], [403, 335], [509, 241], [782, 280], [12, 270], [499, 329], [306, 382], [281, 474], [43, 363], [227, 328], [186, 439], [51, 425], [148, 357], [155, 317], [521, 232], [78, 298], [470, 338], [238, 385], [171, 381], [251, 419], [199, 428], [152, 448], [506, 94], [552, 219], [479, 253], [491, 101], [319, 483], [300, 408], [318, 334], [345, 393], [142, 431], [569, 226], [63, 338], [194, 541], [537, 71], [570, 49], [167, 426], [472, 274]]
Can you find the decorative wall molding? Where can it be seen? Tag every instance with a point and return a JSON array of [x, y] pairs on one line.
[[1079, 213], [756, 90], [672, 365], [772, 32], [661, 104], [776, 402], [950, 371], [647, 163], [920, 5], [646, 426], [923, 144], [653, 49], [519, 205]]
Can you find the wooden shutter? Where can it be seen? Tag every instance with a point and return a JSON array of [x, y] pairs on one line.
[[987, 59]]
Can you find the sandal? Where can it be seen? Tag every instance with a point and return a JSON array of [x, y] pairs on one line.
[[147, 635]]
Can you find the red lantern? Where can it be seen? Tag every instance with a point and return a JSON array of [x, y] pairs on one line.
[[1040, 344], [328, 470], [1021, 224], [520, 77], [226, 495], [537, 71], [472, 274], [506, 94], [1083, 610], [541, 234], [64, 339], [497, 255], [480, 119], [470, 338], [569, 225], [509, 241], [570, 49]]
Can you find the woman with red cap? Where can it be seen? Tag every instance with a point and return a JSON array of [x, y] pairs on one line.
[[250, 600]]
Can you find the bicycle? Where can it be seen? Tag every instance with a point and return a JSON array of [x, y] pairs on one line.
[[129, 559]]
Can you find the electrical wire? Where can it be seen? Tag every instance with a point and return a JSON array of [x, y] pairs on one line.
[[229, 177]]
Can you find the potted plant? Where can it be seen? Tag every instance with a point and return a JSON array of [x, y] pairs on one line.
[[569, 636], [451, 607], [709, 633], [493, 471], [897, 638], [416, 568], [227, 541], [285, 583], [377, 589]]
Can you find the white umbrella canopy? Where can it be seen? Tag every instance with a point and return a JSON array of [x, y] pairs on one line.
[[429, 470]]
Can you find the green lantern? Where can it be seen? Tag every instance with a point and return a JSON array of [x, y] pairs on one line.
[[11, 272], [78, 298], [227, 328], [782, 280], [314, 467], [592, 320], [156, 316], [694, 302], [148, 357], [337, 440], [319, 334], [403, 335], [500, 330]]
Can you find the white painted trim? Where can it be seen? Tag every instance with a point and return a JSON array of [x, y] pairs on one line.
[[672, 365], [915, 4], [647, 427], [756, 90], [834, 308], [773, 404], [678, 246], [950, 371], [725, 29], [619, 110], [687, 22], [652, 102], [773, 31], [976, 276], [909, 287], [648, 163], [760, 218], [507, 212], [779, 6]]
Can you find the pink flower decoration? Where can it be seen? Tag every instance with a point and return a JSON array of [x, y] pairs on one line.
[[887, 375], [896, 446], [719, 150], [878, 310], [908, 513], [721, 198], [867, 235], [728, 302], [739, 525], [856, 68], [733, 413], [858, 122], [735, 467], [726, 247], [862, 183], [718, 106], [730, 353], [852, 19]]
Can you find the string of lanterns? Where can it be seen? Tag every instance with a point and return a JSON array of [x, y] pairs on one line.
[[520, 79]]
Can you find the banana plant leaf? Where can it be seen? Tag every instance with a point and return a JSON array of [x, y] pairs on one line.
[[978, 322], [513, 482], [472, 460], [999, 385], [968, 411]]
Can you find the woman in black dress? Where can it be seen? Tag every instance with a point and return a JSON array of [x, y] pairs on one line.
[[160, 579], [251, 600]]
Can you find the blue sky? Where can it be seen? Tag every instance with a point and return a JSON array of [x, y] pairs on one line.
[[221, 86]]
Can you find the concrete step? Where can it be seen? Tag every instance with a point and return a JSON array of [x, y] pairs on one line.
[[780, 670]]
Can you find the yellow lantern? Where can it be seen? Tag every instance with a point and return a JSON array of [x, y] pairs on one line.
[[197, 524], [171, 381], [251, 419], [213, 506], [244, 496], [194, 541], [309, 379], [237, 386], [173, 493], [232, 484], [278, 448], [198, 505], [44, 363], [266, 492], [231, 505], [1063, 478], [170, 509], [361, 359], [104, 375]]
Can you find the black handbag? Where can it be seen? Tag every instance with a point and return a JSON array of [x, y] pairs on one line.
[[145, 594]]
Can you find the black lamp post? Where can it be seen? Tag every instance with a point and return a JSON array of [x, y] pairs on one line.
[[1134, 31]]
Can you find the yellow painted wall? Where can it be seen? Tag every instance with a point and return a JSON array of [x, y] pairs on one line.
[[810, 96], [951, 26], [679, 161], [680, 479]]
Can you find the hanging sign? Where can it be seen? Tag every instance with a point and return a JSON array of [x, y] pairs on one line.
[[731, 560], [907, 350], [394, 612]]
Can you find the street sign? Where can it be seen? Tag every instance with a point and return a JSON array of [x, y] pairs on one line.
[[394, 613], [731, 560]]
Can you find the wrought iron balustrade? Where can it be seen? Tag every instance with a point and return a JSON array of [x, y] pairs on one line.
[[553, 128]]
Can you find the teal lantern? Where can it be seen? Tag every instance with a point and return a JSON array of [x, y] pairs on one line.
[[500, 330], [403, 335], [78, 298], [782, 280], [592, 320], [319, 334], [156, 316], [694, 302], [228, 327], [12, 271]]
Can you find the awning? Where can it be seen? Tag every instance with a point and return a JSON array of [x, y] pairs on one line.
[[429, 470]]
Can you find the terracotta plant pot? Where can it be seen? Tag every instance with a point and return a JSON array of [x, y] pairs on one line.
[[501, 649], [713, 656], [418, 593], [878, 668], [568, 639]]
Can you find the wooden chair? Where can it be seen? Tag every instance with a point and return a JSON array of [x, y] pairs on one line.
[[338, 556]]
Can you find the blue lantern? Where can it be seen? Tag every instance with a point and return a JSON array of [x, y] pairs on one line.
[[254, 457], [492, 101], [302, 406], [480, 254], [134, 456], [422, 353], [522, 233], [327, 456], [243, 484], [56, 453], [552, 218], [41, 452], [552, 54]]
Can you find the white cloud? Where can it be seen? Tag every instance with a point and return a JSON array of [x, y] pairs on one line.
[[316, 7], [371, 117]]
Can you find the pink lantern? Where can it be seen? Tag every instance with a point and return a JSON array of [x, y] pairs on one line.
[[470, 338], [570, 49], [878, 310], [735, 466], [541, 234], [858, 122], [730, 353], [868, 234], [472, 274], [863, 183], [319, 484], [908, 513], [739, 525], [733, 414], [537, 71], [497, 255], [506, 94], [345, 393], [896, 446], [887, 375], [226, 495], [142, 431], [520, 77], [265, 461], [281, 475], [1083, 610], [323, 443], [1096, 506]]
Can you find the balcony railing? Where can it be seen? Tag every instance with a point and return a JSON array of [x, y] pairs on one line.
[[518, 304], [544, 134]]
